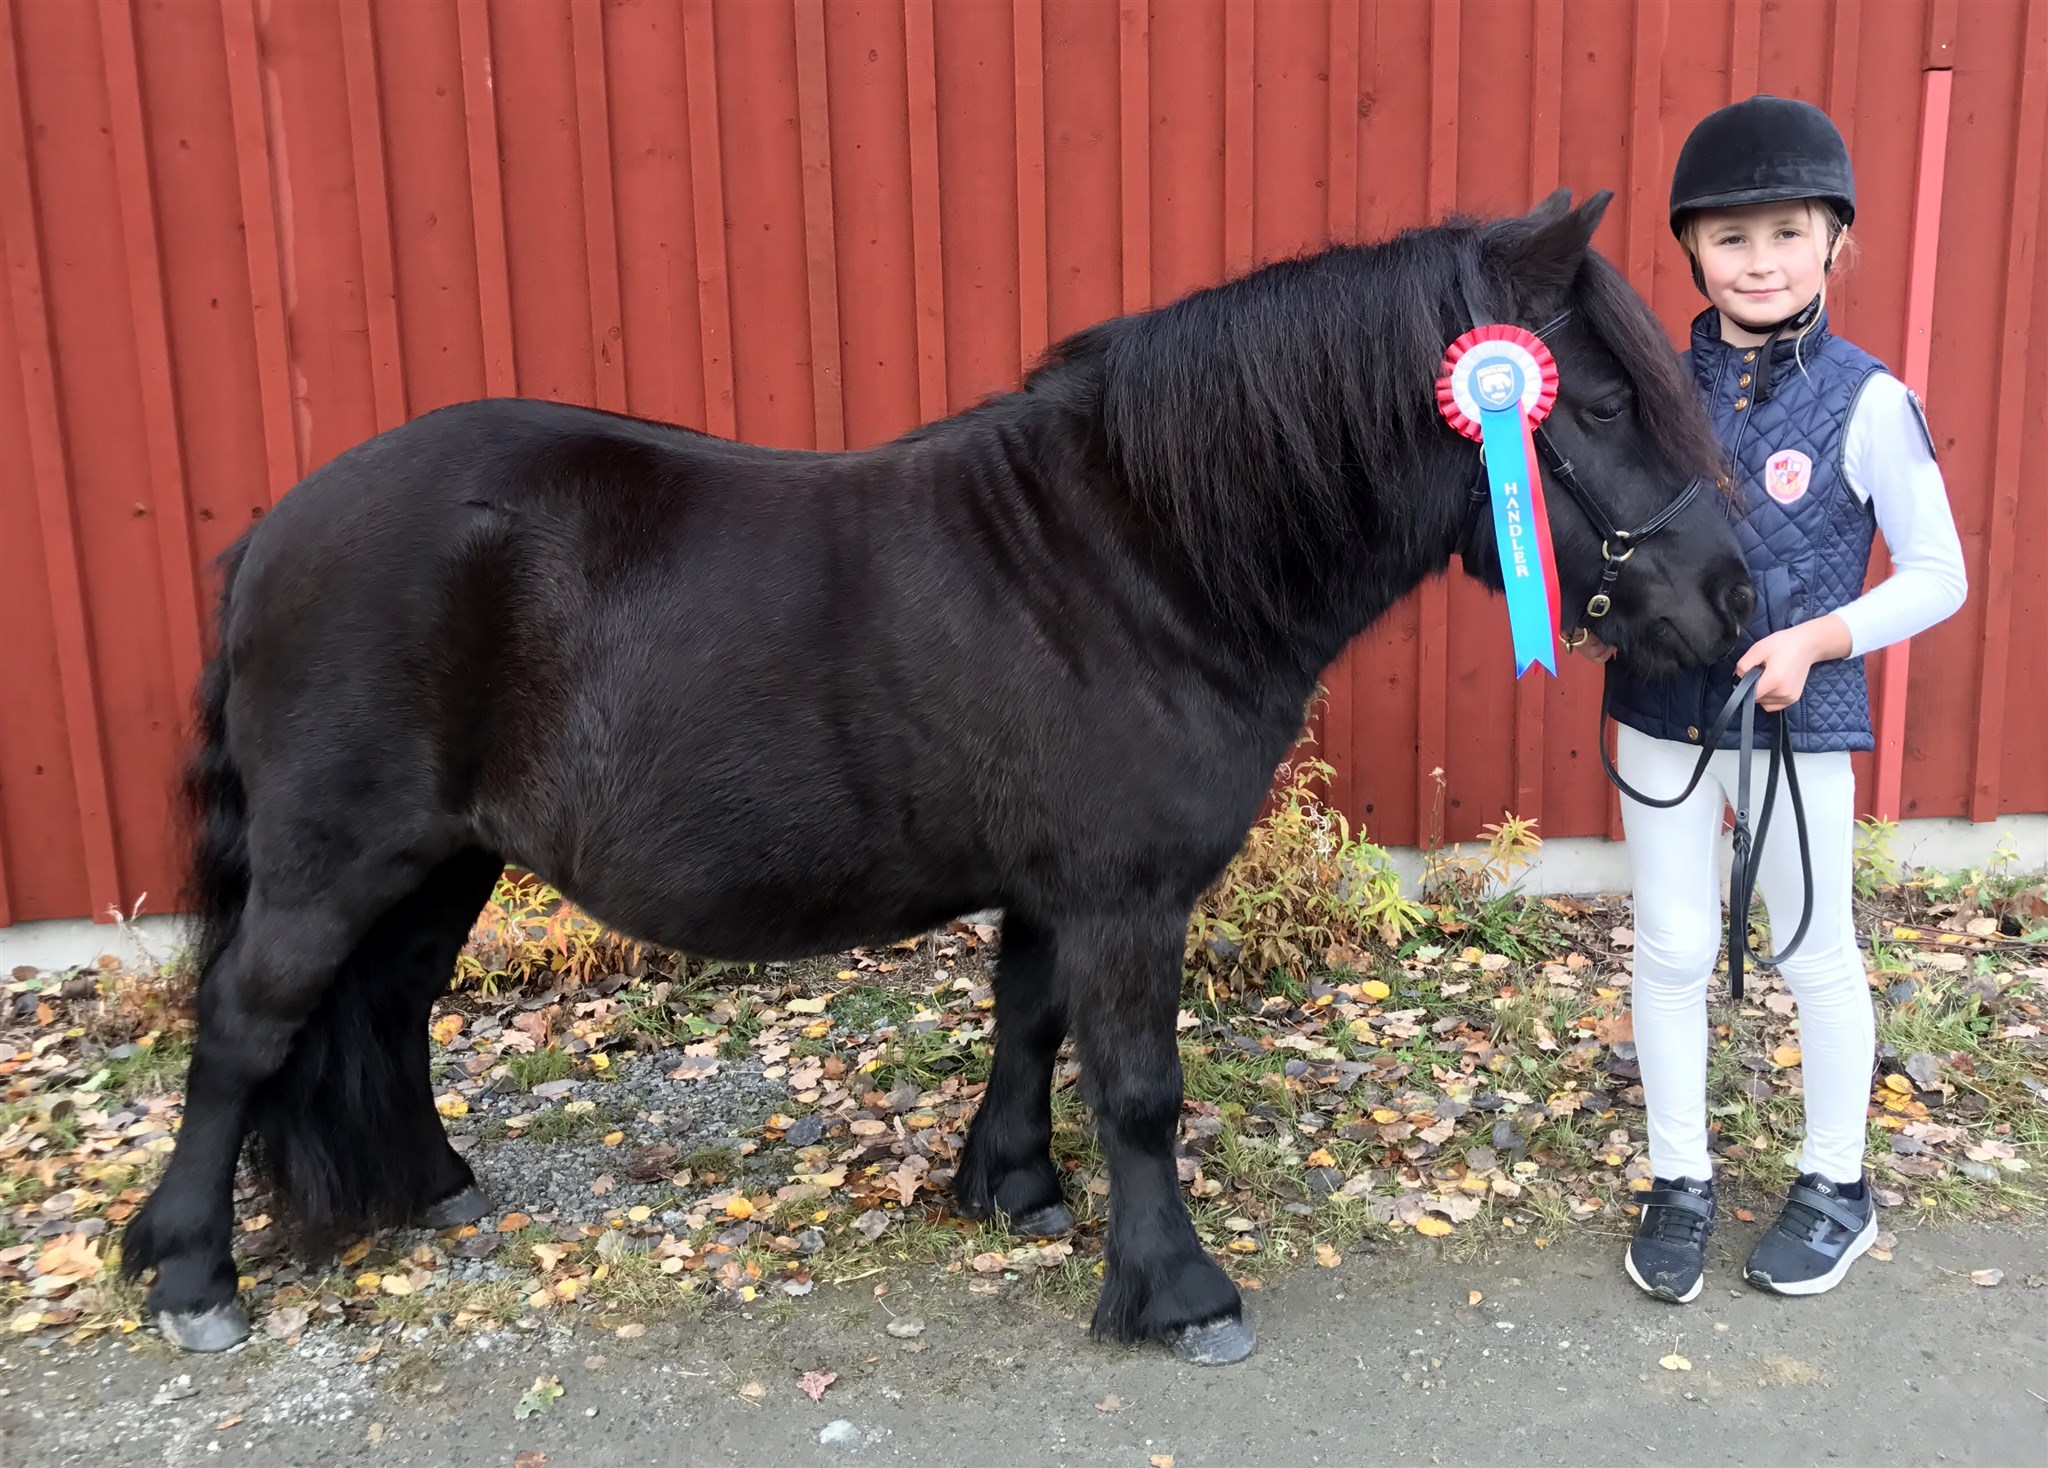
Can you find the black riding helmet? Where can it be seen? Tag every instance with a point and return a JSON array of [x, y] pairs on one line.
[[1764, 150], [1760, 151]]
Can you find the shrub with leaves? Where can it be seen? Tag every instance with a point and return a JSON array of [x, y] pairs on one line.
[[1303, 894], [529, 933]]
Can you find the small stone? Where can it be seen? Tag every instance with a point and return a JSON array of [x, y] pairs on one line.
[[1506, 1138], [1487, 1101], [1482, 1159], [1983, 1172], [806, 1132], [903, 1098], [841, 1434], [906, 1327], [1323, 1181], [1902, 991], [810, 1241]]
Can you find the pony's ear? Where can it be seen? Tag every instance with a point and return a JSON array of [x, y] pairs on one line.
[[1541, 252]]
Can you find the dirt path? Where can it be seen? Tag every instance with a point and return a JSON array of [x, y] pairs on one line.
[[1379, 1360]]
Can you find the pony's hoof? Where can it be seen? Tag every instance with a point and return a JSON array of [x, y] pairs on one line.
[[205, 1330], [466, 1206], [1219, 1343], [1048, 1222]]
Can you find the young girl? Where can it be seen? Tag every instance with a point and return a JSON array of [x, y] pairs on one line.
[[1825, 446]]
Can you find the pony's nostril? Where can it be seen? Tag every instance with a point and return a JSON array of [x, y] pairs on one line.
[[1739, 601]]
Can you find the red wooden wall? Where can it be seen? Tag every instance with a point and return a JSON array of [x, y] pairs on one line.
[[240, 235]]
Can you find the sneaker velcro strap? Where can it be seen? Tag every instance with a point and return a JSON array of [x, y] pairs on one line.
[[1679, 1198], [1841, 1210]]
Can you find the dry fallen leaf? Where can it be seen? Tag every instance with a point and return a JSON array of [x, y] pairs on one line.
[[1433, 1226], [1675, 1362], [446, 1028], [530, 1460], [813, 1384], [1474, 1298], [1785, 1056], [1328, 1257], [753, 1391], [1161, 1460], [1986, 1277], [1109, 1403], [631, 1332], [511, 1223]]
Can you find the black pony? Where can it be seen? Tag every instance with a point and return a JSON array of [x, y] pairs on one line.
[[1042, 656]]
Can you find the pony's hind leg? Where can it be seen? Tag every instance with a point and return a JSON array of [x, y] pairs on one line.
[[1008, 1169], [1121, 974], [383, 1157], [251, 1005]]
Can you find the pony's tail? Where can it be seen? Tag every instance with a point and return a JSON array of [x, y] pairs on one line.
[[216, 803]]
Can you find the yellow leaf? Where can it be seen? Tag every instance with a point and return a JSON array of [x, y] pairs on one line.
[[639, 1213], [1328, 1257], [1374, 989], [511, 1223], [547, 1256], [366, 1284], [353, 1255], [451, 1105], [738, 1207], [1321, 1158], [1785, 1055], [818, 1030], [26, 1321], [1384, 1116], [1244, 1246], [612, 1139], [1905, 932], [1474, 1297], [396, 1284], [1675, 1362], [600, 1062], [446, 1028], [1431, 1225], [1898, 1083], [806, 1006], [1161, 1460]]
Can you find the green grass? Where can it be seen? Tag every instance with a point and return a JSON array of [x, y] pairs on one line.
[[155, 1071], [868, 1007], [552, 1125], [538, 1067]]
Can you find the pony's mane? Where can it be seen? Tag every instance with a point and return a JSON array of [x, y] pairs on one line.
[[1245, 417]]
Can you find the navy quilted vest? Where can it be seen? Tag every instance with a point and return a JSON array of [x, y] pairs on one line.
[[1803, 531]]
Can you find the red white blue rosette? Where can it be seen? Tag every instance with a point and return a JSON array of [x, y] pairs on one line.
[[1493, 348], [1496, 384]]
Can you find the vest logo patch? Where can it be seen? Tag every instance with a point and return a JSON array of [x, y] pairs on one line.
[[1787, 476]]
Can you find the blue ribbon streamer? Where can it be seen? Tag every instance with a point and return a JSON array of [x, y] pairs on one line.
[[1508, 472]]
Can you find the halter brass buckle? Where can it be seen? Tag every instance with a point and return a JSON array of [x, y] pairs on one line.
[[1598, 606]]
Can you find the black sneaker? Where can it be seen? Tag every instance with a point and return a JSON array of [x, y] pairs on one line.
[[1668, 1255], [1815, 1240]]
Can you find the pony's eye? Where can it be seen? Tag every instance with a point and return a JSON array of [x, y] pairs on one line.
[[1608, 411]]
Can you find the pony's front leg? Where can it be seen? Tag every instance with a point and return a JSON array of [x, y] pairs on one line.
[[1121, 974], [1007, 1170]]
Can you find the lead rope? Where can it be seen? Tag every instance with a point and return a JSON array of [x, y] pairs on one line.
[[1748, 851]]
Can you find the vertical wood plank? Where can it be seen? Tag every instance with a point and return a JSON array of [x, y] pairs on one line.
[[1344, 101], [1033, 319], [373, 211], [50, 465], [1745, 46], [1134, 96], [927, 256], [284, 455], [2016, 391], [1240, 94], [821, 259], [600, 217], [707, 204], [486, 197], [169, 505], [1433, 604]]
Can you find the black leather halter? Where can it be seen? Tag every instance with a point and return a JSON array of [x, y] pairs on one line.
[[1616, 545]]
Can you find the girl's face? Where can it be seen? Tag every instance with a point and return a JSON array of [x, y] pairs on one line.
[[1762, 263]]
